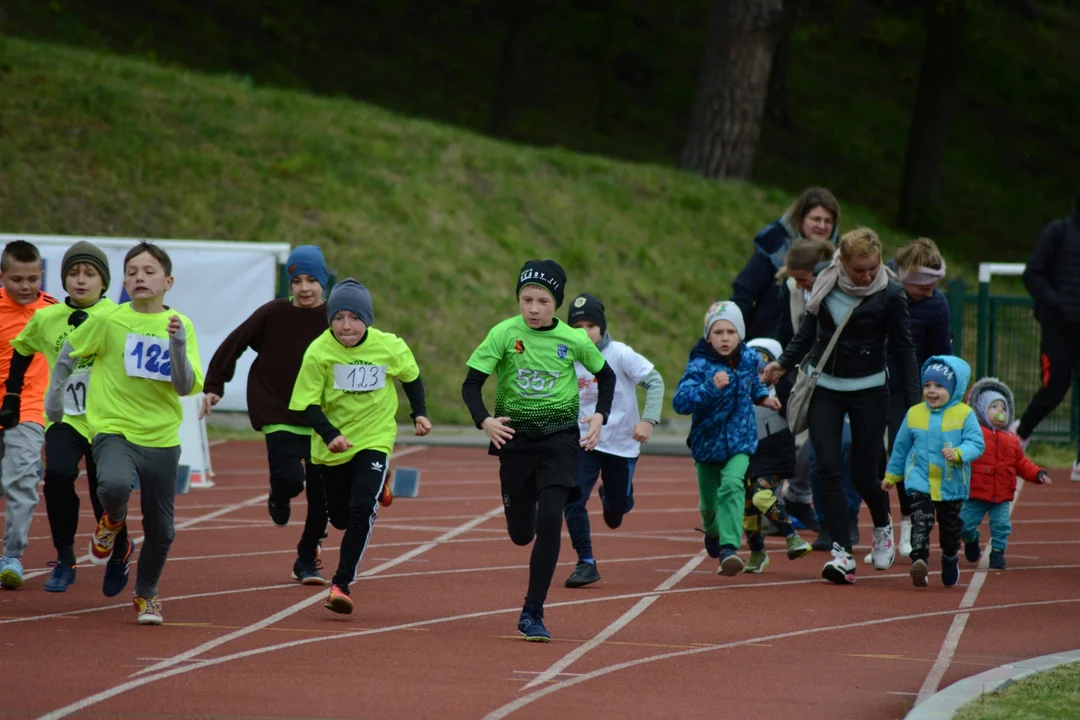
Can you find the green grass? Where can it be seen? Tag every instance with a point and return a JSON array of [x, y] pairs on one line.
[[1052, 455], [1051, 694], [436, 221]]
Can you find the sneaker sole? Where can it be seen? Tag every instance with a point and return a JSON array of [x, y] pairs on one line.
[[835, 575], [538, 639], [757, 570], [341, 606], [311, 580], [796, 553], [97, 560], [731, 566], [59, 588], [579, 583], [918, 573], [151, 620], [10, 580]]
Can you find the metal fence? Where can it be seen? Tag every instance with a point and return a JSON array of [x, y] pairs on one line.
[[999, 336]]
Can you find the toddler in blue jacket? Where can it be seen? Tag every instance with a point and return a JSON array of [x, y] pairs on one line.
[[719, 390]]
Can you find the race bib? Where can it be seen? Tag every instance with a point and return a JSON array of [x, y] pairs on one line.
[[147, 357], [75, 394], [359, 378]]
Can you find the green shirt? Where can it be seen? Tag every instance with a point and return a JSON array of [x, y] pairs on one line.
[[538, 388], [45, 333], [353, 387], [131, 393]]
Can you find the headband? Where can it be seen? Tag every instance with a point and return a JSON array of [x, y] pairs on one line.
[[923, 275]]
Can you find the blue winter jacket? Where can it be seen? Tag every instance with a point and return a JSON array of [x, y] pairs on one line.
[[916, 454], [723, 421]]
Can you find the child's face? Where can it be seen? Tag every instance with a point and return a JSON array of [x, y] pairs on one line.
[[591, 328], [347, 328], [723, 337], [537, 306], [145, 278], [22, 281], [84, 284], [998, 414], [935, 395], [306, 291]]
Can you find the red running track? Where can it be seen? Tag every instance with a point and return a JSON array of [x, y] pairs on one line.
[[433, 634]]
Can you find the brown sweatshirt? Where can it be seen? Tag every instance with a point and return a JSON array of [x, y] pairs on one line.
[[279, 332]]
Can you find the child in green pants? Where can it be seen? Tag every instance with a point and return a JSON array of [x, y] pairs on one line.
[[719, 390]]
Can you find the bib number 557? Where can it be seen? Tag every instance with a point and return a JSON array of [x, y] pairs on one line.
[[536, 380]]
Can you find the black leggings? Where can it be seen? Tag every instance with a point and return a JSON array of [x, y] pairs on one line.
[[291, 473], [537, 514], [352, 499], [826, 416], [64, 448]]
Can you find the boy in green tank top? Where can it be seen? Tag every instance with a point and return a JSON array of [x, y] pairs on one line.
[[146, 359], [535, 428]]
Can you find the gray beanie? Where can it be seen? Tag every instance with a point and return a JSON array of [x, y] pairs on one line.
[[725, 310], [84, 252], [352, 296]]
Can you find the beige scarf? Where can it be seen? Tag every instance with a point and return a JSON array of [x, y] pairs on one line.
[[835, 276]]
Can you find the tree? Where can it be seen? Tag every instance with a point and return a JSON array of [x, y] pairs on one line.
[[776, 105], [939, 80], [732, 86]]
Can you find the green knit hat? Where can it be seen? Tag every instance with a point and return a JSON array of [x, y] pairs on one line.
[[84, 252]]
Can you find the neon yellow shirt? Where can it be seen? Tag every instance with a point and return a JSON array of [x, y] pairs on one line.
[[353, 388], [130, 391], [45, 333]]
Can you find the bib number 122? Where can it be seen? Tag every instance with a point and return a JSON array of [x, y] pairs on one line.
[[147, 357]]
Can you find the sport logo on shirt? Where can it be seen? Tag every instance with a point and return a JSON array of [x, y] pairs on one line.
[[562, 350], [519, 347]]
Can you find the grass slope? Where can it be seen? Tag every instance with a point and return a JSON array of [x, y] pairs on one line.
[[435, 220]]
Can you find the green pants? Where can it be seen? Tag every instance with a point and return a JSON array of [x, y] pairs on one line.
[[722, 497]]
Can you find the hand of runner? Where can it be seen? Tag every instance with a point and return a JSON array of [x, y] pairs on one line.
[[339, 444], [643, 431], [209, 400], [497, 432], [592, 437], [421, 426]]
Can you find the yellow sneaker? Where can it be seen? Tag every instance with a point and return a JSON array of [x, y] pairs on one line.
[[149, 610]]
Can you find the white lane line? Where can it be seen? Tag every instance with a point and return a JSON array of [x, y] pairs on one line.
[[622, 621], [308, 602], [528, 699], [956, 629]]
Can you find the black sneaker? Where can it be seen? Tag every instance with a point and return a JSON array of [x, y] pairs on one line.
[[997, 559], [116, 570], [804, 513], [611, 518], [972, 551], [950, 570], [712, 544], [531, 624], [584, 574], [823, 541], [307, 573], [279, 512]]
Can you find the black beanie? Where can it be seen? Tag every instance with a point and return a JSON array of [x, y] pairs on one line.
[[589, 308], [548, 274]]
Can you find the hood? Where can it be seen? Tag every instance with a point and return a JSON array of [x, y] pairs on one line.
[[772, 348], [991, 385], [958, 366]]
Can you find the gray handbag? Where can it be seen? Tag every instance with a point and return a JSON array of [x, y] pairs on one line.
[[798, 407]]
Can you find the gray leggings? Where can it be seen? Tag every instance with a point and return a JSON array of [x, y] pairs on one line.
[[117, 463]]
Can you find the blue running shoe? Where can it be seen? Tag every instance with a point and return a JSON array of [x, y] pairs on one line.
[[11, 573], [62, 577], [531, 624], [712, 544], [950, 570], [116, 570]]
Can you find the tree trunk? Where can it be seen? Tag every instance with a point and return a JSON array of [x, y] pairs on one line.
[[939, 78], [501, 119], [776, 106], [732, 87]]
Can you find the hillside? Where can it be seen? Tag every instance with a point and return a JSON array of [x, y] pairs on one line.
[[435, 220]]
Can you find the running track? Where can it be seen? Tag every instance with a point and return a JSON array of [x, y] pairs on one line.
[[433, 633]]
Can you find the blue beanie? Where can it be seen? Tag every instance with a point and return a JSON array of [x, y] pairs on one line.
[[942, 374], [308, 260], [352, 296]]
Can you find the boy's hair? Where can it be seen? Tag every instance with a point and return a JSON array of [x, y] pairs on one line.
[[153, 251], [18, 251]]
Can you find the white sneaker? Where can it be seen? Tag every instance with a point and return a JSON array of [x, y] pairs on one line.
[[884, 550], [905, 537], [1075, 476], [869, 559], [841, 569]]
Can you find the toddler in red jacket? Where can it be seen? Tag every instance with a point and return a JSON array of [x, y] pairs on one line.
[[993, 475]]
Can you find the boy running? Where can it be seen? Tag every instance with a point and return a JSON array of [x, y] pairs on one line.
[[535, 429], [345, 392], [84, 272], [280, 332], [20, 442], [620, 440], [146, 358]]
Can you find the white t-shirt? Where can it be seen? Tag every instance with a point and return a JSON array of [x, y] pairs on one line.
[[617, 437]]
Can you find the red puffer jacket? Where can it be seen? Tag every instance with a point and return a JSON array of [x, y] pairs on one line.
[[993, 475]]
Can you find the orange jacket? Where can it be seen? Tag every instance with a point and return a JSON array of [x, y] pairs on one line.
[[13, 318]]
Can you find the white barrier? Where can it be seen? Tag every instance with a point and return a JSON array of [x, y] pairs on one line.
[[217, 285]]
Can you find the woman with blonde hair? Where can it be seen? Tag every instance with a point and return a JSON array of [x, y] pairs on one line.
[[856, 297]]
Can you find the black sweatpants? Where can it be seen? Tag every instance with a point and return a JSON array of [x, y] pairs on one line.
[[898, 408], [292, 472], [826, 417], [352, 502], [64, 448], [1060, 363], [950, 525], [537, 478]]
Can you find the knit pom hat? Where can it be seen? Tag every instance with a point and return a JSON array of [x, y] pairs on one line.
[[352, 296], [725, 310], [942, 374], [548, 274], [587, 308], [308, 260], [84, 252]]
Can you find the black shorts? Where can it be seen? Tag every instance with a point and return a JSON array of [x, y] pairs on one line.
[[550, 460]]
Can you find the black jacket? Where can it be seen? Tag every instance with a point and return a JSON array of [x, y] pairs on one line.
[[879, 327], [1052, 275]]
